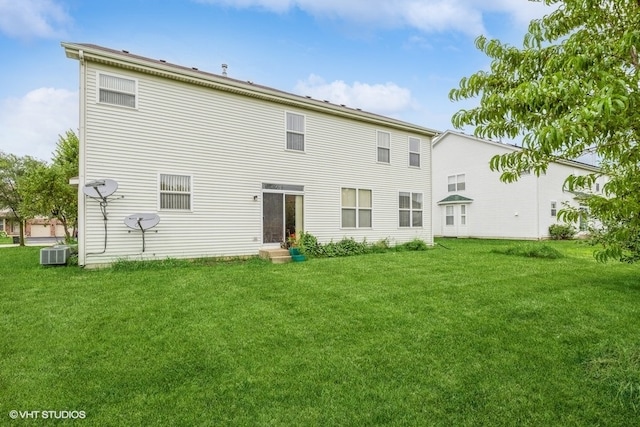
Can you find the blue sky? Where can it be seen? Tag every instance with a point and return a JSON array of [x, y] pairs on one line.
[[398, 58]]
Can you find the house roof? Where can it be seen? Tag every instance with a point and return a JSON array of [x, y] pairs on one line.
[[124, 59], [454, 198], [512, 147]]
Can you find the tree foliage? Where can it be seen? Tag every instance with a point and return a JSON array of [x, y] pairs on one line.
[[572, 89], [45, 188], [13, 170]]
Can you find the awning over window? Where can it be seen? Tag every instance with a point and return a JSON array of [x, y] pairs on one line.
[[454, 198]]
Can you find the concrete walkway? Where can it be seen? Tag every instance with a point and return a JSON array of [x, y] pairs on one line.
[[38, 241]]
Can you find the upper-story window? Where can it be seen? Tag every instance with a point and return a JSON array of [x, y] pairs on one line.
[[175, 192], [414, 152], [117, 90], [295, 132], [384, 147], [456, 182], [554, 208]]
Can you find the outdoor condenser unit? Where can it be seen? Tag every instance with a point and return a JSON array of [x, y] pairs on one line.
[[56, 255]]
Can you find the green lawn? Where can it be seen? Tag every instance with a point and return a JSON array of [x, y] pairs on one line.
[[455, 336]]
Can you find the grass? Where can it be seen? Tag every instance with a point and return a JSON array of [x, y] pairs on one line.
[[461, 336]]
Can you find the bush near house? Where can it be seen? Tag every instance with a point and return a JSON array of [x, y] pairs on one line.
[[561, 231], [348, 246]]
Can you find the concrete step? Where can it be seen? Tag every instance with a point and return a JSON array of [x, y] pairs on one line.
[[276, 255]]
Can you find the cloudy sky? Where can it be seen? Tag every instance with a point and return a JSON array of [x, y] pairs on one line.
[[398, 58]]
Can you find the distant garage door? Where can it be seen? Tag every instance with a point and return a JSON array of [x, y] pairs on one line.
[[40, 230]]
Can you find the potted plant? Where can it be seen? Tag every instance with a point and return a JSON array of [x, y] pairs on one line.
[[292, 244]]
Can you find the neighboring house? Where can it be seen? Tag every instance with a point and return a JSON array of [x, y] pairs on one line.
[[35, 227], [8, 224], [471, 201], [232, 167]]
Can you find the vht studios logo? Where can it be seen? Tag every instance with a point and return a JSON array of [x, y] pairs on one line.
[[54, 415]]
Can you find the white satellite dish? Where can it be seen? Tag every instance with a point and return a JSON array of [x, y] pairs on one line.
[[100, 188], [142, 222]]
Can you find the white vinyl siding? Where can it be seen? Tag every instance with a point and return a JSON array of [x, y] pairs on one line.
[[230, 145], [414, 152], [410, 207], [456, 182], [175, 192], [384, 147], [295, 132], [117, 90], [356, 208]]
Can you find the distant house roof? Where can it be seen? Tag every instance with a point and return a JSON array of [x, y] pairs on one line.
[[162, 68], [454, 198]]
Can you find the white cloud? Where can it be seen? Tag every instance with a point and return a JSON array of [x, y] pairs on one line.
[[32, 18], [387, 99], [465, 16], [31, 124]]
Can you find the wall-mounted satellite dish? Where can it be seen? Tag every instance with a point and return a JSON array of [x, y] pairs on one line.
[[142, 222], [100, 188]]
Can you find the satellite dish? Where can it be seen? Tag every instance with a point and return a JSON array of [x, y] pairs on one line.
[[142, 222], [100, 188]]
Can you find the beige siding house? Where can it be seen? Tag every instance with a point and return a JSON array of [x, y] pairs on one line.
[[231, 167], [471, 201]]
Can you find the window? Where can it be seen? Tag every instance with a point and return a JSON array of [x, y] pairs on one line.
[[597, 187], [449, 215], [295, 132], [456, 182], [116, 90], [414, 152], [554, 208], [175, 192], [384, 147], [356, 208], [410, 209], [463, 214]]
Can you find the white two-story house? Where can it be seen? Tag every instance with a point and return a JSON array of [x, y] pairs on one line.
[[230, 167], [471, 201]]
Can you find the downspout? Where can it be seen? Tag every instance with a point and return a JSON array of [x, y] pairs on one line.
[[82, 227]]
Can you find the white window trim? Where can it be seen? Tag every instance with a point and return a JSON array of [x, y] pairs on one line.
[[159, 192], [119, 76], [378, 132], [419, 152], [303, 133], [411, 209], [357, 208]]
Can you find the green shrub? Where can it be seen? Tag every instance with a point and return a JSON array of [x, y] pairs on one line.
[[561, 231], [414, 245], [348, 246], [530, 251]]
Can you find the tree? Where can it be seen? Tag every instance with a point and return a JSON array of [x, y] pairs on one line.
[[45, 188], [572, 89], [12, 172]]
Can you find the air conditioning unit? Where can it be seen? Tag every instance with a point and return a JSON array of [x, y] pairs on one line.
[[56, 255]]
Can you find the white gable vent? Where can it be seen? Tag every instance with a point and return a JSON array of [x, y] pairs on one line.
[[56, 255]]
